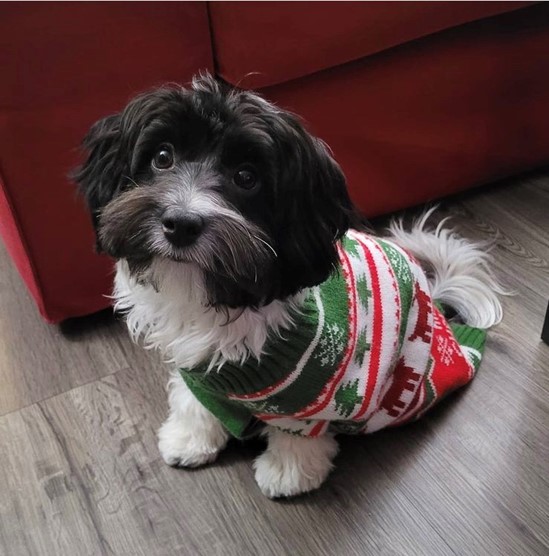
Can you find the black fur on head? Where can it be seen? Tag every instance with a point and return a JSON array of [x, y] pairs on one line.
[[221, 179]]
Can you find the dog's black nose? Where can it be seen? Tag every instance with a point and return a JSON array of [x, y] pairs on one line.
[[181, 228]]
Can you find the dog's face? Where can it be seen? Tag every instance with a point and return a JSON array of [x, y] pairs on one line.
[[220, 179]]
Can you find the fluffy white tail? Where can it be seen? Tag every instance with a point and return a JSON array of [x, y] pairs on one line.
[[458, 269]]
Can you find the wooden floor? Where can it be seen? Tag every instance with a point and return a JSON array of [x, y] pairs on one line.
[[80, 473]]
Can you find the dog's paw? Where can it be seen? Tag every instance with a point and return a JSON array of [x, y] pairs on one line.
[[293, 465], [184, 446]]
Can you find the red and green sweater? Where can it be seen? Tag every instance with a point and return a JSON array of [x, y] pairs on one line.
[[368, 349]]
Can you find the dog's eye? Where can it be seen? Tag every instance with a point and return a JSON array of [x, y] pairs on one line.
[[245, 177], [164, 158]]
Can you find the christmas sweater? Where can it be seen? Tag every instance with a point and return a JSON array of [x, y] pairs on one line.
[[367, 349]]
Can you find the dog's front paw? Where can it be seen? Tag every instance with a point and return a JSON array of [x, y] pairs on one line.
[[294, 465], [181, 445]]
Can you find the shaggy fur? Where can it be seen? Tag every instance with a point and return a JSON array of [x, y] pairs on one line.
[[271, 204], [459, 270]]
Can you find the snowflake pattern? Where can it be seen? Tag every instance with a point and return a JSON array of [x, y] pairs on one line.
[[258, 407], [331, 344], [399, 264], [446, 350]]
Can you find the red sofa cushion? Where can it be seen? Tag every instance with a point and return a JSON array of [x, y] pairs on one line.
[[283, 41], [436, 116], [64, 65]]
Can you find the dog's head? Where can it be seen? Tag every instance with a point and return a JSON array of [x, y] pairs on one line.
[[221, 179]]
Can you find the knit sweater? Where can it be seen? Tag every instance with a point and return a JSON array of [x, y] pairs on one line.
[[367, 349]]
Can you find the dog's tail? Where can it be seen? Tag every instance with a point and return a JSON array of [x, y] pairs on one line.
[[458, 270]]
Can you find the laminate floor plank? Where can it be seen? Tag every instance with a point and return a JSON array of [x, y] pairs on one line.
[[84, 473], [38, 360]]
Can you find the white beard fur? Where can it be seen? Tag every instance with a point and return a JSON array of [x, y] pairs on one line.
[[172, 316]]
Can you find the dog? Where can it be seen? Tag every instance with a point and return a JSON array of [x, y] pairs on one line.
[[241, 256]]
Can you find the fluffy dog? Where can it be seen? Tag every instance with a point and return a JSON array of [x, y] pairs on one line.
[[241, 257]]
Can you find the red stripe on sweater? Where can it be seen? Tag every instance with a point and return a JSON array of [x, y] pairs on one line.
[[375, 353], [318, 429]]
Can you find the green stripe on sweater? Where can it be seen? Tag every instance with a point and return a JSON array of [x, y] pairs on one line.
[[235, 417], [472, 338], [324, 359]]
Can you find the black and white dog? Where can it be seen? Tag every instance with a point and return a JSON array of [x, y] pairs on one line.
[[223, 212]]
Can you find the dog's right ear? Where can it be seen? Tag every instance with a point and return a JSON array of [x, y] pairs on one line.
[[101, 176]]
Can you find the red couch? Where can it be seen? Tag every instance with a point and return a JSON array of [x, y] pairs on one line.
[[417, 100]]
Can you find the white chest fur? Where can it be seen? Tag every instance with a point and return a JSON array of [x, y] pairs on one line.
[[173, 317]]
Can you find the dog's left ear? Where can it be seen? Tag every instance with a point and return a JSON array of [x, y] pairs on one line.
[[111, 147], [100, 177], [313, 208]]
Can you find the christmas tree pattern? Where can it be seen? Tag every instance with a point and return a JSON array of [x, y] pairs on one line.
[[331, 345], [363, 292], [346, 398], [351, 246], [362, 346]]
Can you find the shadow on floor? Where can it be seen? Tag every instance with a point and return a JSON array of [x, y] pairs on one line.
[[79, 327]]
